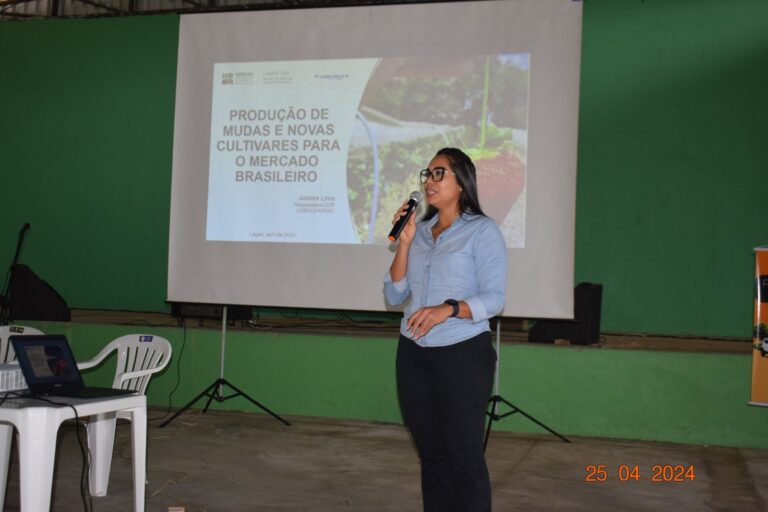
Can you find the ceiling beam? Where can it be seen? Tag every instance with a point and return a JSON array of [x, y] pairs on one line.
[[100, 5]]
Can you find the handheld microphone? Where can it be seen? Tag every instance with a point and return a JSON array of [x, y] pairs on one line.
[[413, 201], [24, 229]]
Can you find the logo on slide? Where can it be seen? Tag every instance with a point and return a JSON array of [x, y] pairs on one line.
[[237, 78]]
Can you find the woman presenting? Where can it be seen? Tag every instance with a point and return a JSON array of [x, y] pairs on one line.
[[453, 266]]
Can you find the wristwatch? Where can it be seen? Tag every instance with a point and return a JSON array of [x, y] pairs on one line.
[[454, 304]]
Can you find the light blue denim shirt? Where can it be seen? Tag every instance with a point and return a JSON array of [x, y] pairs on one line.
[[468, 262]]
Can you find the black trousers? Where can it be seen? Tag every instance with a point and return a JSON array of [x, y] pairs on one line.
[[444, 393]]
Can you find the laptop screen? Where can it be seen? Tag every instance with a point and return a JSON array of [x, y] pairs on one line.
[[46, 360]]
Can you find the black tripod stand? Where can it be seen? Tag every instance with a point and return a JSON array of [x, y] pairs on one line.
[[214, 391], [496, 399], [5, 305]]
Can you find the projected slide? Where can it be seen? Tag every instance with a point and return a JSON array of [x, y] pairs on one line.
[[323, 151], [299, 132]]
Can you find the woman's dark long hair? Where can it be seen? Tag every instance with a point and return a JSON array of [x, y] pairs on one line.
[[466, 175]]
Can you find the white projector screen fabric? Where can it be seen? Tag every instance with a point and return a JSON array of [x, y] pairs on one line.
[[298, 133]]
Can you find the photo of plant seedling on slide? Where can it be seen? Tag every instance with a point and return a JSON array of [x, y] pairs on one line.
[[411, 107]]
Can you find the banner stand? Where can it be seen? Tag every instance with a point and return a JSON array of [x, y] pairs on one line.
[[759, 394]]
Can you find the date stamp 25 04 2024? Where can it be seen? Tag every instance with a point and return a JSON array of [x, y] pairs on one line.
[[658, 473]]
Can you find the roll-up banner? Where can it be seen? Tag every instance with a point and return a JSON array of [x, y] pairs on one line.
[[760, 332]]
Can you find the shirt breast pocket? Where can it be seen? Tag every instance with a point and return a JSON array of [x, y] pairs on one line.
[[458, 272]]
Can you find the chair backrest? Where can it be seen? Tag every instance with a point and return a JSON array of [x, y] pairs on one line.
[[138, 357], [7, 354]]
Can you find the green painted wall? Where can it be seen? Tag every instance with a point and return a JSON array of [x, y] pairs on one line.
[[670, 203], [86, 131], [671, 183], [696, 398], [672, 163]]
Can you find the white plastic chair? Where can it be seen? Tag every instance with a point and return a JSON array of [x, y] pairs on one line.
[[7, 354], [138, 357]]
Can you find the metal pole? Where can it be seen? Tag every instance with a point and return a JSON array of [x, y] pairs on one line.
[[223, 343], [498, 357]]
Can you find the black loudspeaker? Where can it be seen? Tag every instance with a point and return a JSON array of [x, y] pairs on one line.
[[583, 329], [31, 298]]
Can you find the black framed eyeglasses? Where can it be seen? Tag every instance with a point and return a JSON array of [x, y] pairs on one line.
[[436, 174]]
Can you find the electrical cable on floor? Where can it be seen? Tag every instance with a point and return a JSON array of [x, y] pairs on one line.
[[178, 375]]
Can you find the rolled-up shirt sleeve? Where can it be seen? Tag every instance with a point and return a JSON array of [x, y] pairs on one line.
[[490, 253], [396, 292]]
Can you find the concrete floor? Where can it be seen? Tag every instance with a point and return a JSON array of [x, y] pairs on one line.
[[224, 461]]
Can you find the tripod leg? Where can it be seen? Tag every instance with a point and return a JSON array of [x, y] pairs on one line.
[[224, 381], [206, 391], [491, 417], [215, 393], [517, 409], [543, 426]]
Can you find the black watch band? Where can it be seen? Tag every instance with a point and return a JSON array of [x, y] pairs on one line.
[[454, 304]]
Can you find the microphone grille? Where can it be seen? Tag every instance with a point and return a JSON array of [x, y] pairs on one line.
[[417, 196]]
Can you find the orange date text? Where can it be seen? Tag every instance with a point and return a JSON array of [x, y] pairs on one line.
[[657, 473]]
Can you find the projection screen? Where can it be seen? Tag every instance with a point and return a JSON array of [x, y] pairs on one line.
[[298, 133]]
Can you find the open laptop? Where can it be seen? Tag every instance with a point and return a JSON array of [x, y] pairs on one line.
[[50, 369]]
